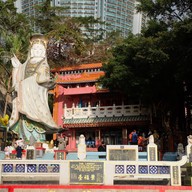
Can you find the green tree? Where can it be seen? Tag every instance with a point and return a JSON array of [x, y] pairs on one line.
[[73, 40], [167, 11], [14, 34], [157, 62]]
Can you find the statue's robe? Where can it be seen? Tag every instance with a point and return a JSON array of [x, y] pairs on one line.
[[31, 114]]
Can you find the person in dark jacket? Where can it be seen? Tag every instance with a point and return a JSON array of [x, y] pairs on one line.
[[102, 147]]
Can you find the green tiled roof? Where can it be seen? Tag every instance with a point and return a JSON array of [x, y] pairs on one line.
[[106, 120]]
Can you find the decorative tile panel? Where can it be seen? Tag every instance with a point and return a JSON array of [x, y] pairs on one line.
[[56, 168], [20, 168], [7, 168], [43, 168], [31, 168], [119, 169], [143, 169], [131, 169], [153, 169], [164, 169]]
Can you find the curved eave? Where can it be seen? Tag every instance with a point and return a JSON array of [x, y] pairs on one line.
[[75, 82], [106, 122], [78, 67]]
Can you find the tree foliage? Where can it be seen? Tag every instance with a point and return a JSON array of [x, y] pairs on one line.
[[73, 40], [155, 63], [14, 36]]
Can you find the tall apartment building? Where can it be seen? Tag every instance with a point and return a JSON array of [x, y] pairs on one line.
[[118, 15]]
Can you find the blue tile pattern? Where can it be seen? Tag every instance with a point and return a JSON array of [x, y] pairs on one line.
[[43, 168], [131, 169], [143, 169], [119, 169], [7, 168], [56, 168], [20, 168], [31, 168], [153, 169], [164, 169]]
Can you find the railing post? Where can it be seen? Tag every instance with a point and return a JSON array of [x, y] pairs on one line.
[[64, 112], [175, 175], [73, 110], [113, 109], [97, 111], [152, 154], [89, 109], [109, 173], [63, 177]]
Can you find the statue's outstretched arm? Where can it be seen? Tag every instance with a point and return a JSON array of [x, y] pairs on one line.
[[15, 63]]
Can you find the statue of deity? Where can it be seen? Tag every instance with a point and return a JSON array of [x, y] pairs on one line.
[[31, 81]]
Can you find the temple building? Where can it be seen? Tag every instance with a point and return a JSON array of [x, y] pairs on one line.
[[83, 106]]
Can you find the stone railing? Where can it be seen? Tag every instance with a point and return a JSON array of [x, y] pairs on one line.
[[66, 172], [104, 111], [122, 163]]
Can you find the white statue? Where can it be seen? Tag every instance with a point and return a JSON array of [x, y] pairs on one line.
[[81, 149], [180, 151], [151, 139], [189, 139], [31, 114]]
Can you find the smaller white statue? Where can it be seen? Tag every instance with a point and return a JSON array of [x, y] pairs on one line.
[[62, 143], [189, 139], [81, 148], [151, 139], [7, 152], [180, 151]]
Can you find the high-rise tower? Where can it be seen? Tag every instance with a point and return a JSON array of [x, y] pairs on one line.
[[117, 14]]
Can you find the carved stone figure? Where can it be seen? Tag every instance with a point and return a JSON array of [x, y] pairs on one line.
[[81, 153], [180, 151], [31, 80], [151, 139], [62, 143], [189, 139]]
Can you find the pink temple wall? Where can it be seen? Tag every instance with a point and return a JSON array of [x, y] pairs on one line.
[[59, 104]]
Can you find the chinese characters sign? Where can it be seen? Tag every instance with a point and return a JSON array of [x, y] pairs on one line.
[[122, 152], [86, 172]]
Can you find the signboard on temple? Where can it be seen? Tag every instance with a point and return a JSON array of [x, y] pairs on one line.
[[122, 152], [83, 172]]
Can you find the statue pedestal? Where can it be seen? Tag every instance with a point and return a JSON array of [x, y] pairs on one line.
[[60, 154]]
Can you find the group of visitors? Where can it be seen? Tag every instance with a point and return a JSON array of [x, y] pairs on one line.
[[18, 146], [139, 138]]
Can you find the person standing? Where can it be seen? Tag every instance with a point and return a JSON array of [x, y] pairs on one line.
[[134, 140], [141, 141], [102, 147]]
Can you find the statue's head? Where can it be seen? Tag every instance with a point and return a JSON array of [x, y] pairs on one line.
[[38, 39], [38, 45]]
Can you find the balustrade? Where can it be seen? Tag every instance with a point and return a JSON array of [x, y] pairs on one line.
[[104, 111]]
